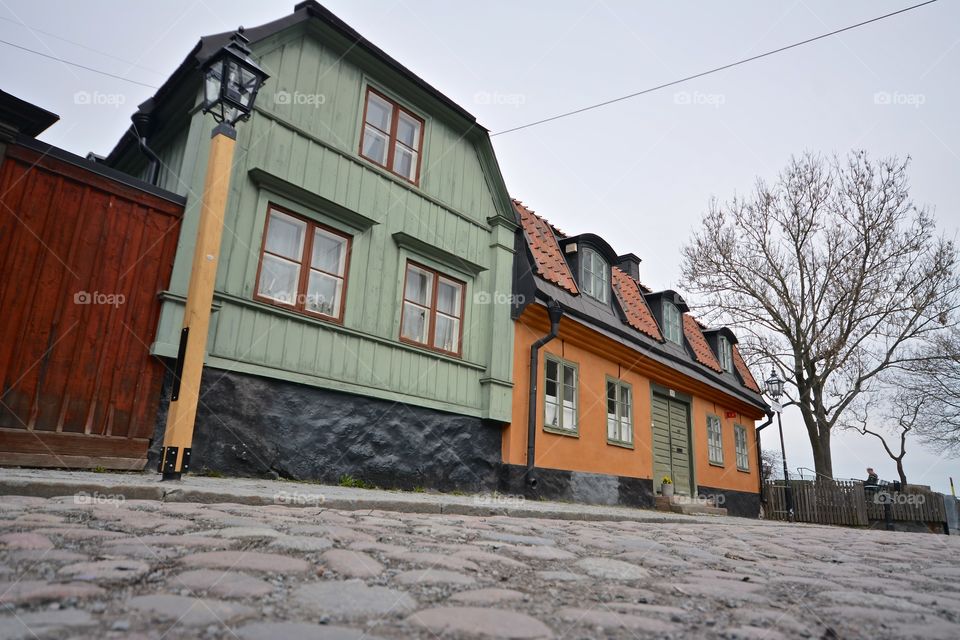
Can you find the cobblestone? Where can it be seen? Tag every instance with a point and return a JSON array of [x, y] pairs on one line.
[[153, 569]]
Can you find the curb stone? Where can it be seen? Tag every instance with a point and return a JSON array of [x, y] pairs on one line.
[[145, 489]]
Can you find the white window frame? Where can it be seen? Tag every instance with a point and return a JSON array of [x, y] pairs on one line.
[[620, 423], [561, 425], [726, 354], [743, 450], [594, 275], [672, 323], [714, 440]]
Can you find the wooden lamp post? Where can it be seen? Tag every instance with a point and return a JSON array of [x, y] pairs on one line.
[[231, 82]]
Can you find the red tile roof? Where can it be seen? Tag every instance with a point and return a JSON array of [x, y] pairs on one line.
[[551, 265], [633, 304], [744, 370], [701, 349], [543, 244]]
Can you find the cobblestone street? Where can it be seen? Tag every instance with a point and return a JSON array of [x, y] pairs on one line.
[[100, 566]]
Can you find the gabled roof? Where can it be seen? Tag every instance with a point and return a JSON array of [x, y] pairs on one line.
[[303, 12], [698, 342], [545, 249], [744, 370], [631, 300]]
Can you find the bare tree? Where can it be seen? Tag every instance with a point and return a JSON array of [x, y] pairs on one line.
[[772, 464], [933, 380], [900, 415], [832, 275]]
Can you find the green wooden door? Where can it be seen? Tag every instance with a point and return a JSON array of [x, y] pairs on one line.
[[671, 443]]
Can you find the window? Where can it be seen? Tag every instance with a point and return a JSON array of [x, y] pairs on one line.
[[672, 323], [743, 457], [560, 396], [303, 265], [619, 412], [432, 309], [726, 355], [714, 441], [594, 275], [391, 136]]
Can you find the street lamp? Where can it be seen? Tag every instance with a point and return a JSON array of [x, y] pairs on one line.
[[774, 388], [231, 80]]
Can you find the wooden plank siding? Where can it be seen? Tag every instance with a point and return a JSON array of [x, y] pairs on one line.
[[312, 149], [76, 376]]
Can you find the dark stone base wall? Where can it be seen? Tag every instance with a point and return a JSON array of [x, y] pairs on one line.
[[254, 426], [262, 427], [737, 503], [577, 486]]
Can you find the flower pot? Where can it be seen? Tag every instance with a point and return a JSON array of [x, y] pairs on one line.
[[666, 490]]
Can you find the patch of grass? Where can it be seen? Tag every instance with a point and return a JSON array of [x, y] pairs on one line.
[[209, 473], [419, 490], [99, 469], [347, 480]]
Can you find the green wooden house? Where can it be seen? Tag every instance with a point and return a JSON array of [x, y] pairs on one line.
[[368, 234]]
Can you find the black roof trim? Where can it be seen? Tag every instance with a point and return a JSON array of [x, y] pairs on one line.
[[99, 168], [722, 331], [594, 241], [303, 11], [629, 337], [26, 117], [671, 296]]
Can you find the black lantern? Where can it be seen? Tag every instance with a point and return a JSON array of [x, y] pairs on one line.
[[774, 385], [231, 81]]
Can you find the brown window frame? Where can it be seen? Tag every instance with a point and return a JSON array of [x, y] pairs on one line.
[[391, 135], [431, 339], [305, 266]]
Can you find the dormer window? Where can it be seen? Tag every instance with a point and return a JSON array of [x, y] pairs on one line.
[[725, 354], [594, 275], [672, 323]]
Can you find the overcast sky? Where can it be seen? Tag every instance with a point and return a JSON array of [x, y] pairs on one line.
[[640, 172]]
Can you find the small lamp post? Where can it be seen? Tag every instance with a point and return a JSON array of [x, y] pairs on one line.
[[231, 82], [774, 388]]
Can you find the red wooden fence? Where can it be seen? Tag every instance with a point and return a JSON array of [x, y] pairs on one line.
[[83, 256]]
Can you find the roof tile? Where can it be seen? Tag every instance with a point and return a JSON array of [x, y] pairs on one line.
[[634, 305], [701, 349], [543, 244], [744, 370]]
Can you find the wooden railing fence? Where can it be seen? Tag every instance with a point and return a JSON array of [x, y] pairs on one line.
[[846, 502], [825, 502], [912, 504]]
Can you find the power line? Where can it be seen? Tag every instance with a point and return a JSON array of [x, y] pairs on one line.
[[79, 44], [710, 71], [78, 65]]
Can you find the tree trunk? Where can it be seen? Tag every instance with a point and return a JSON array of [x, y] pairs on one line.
[[820, 443], [903, 475]]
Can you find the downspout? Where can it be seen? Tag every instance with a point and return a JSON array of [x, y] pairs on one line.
[[555, 312], [141, 127], [760, 452]]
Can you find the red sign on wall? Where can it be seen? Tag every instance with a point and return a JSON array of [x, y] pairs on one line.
[[731, 414]]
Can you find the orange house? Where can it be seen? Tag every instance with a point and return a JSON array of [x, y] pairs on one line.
[[619, 385]]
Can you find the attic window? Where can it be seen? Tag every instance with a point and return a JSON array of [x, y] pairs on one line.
[[594, 275], [672, 323], [392, 136], [726, 354]]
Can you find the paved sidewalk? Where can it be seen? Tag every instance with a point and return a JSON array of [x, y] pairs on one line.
[[148, 486], [93, 561]]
